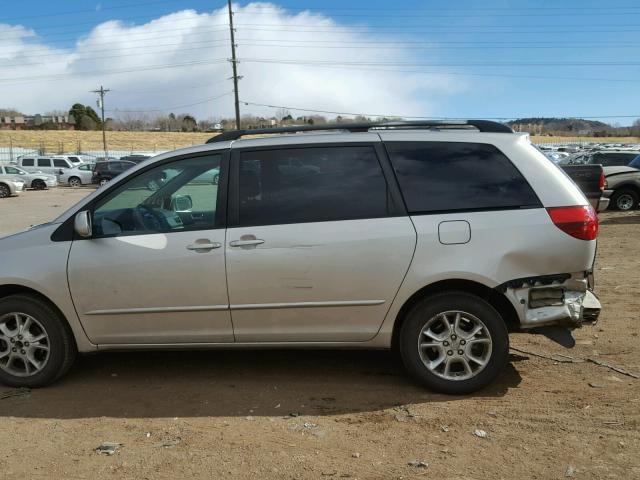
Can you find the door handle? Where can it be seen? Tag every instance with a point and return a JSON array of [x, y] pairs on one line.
[[246, 243], [203, 245]]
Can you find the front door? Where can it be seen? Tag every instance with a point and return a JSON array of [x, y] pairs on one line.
[[319, 244], [153, 271]]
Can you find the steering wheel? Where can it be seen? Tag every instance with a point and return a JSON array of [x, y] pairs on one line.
[[147, 218]]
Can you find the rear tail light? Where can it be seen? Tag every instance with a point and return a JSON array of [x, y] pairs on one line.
[[580, 222], [603, 181]]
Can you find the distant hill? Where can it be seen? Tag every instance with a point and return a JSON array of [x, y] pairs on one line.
[[577, 126]]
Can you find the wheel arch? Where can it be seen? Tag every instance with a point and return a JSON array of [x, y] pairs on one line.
[[627, 186], [14, 289], [496, 299]]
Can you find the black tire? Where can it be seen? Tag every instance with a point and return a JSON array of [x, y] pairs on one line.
[[431, 307], [75, 182], [62, 347], [4, 191], [216, 179], [38, 184], [624, 199]]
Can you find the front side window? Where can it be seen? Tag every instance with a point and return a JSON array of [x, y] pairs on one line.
[[44, 162], [456, 176], [301, 185], [175, 196]]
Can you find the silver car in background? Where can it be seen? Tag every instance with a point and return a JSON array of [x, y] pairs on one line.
[[436, 239], [37, 181], [77, 176], [10, 185]]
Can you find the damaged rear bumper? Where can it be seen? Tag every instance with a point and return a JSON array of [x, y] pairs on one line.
[[563, 300]]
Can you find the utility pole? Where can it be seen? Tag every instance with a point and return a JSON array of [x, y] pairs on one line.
[[234, 63], [102, 92]]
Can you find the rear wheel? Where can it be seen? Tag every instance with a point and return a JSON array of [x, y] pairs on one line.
[[454, 343], [103, 181], [624, 199], [75, 182], [4, 191], [36, 345]]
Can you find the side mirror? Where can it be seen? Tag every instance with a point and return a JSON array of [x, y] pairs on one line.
[[181, 203], [82, 224]]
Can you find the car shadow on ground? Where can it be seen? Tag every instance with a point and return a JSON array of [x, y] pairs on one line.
[[233, 383]]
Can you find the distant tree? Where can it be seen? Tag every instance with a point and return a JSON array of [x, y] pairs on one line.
[[189, 124], [10, 112], [86, 123], [80, 112]]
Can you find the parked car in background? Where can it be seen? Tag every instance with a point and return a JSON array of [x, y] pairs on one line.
[[77, 176], [105, 171], [606, 158], [53, 165], [135, 158], [624, 184], [436, 239], [591, 180], [37, 181], [10, 185]]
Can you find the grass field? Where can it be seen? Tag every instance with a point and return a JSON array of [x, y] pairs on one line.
[[54, 141]]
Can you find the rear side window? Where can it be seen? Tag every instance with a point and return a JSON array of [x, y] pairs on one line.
[[57, 162], [27, 162], [452, 176], [312, 184], [44, 162]]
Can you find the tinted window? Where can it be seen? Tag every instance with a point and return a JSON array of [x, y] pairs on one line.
[[57, 162], [311, 185], [612, 159], [635, 163], [448, 176], [27, 162], [44, 162], [171, 197]]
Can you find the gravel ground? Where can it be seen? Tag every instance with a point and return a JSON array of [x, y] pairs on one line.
[[321, 414]]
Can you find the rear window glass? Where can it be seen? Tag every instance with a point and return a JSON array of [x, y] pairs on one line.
[[452, 176]]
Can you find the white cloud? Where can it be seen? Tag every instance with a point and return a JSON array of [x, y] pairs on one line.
[[48, 78]]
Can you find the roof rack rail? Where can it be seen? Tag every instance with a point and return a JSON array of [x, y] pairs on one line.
[[480, 125]]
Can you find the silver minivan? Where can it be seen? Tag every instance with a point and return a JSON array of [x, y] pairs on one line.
[[432, 238], [49, 164]]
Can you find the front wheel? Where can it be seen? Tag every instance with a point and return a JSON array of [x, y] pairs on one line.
[[36, 345], [103, 181], [454, 343]]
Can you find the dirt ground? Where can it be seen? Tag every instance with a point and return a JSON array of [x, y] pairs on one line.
[[338, 414]]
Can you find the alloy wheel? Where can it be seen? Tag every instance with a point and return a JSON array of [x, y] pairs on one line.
[[24, 345], [455, 345], [624, 202]]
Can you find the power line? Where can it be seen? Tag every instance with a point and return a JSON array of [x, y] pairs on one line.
[[200, 102], [445, 64], [31, 79], [425, 118]]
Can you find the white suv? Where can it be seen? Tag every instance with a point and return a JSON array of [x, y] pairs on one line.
[[433, 238]]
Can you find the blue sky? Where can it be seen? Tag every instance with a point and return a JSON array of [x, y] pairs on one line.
[[489, 59]]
